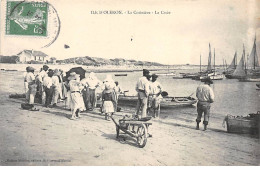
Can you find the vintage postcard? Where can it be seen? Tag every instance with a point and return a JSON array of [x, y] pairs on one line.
[[129, 83]]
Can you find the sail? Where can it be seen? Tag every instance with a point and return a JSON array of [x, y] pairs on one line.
[[240, 70], [253, 58], [233, 64], [209, 61]]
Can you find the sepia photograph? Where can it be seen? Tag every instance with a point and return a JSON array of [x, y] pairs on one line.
[[129, 83]]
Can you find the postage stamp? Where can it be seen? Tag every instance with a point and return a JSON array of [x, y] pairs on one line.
[[26, 18]]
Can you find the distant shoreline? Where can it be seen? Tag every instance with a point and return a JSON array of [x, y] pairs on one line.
[[100, 69]]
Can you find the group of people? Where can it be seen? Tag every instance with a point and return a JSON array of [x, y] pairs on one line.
[[47, 86], [80, 94], [149, 97], [50, 86]]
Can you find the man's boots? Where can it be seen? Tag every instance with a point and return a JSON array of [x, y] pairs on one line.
[[198, 124], [205, 125]]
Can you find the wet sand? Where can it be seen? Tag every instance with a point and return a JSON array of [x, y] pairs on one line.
[[48, 137]]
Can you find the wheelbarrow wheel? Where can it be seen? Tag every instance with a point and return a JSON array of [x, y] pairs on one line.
[[141, 135], [117, 131]]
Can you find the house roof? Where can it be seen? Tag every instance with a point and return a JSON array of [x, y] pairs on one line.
[[34, 53]]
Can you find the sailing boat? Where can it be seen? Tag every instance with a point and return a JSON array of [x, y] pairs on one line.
[[214, 76], [252, 69], [208, 72], [232, 67], [240, 71]]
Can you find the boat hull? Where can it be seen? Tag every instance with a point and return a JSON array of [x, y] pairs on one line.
[[213, 77], [229, 76], [165, 102], [249, 80], [120, 74], [243, 125]]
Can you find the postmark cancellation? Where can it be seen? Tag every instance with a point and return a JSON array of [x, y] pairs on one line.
[[26, 18]]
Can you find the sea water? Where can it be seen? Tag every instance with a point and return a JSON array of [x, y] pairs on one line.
[[231, 96]]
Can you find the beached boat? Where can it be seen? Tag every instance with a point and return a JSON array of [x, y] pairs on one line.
[[243, 125], [165, 102]]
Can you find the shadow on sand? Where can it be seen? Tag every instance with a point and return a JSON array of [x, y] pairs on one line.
[[123, 138], [57, 113], [189, 126]]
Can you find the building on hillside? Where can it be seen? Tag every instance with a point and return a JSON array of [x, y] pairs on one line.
[[27, 56]]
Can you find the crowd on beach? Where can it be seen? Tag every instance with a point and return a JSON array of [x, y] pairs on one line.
[[51, 86], [80, 94]]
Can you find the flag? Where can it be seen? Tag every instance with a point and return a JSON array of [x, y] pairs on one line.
[[66, 46]]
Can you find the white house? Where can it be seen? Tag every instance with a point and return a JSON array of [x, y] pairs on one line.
[[32, 55]]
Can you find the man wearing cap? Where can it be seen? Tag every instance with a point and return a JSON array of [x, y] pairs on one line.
[[30, 79], [142, 88], [205, 97], [155, 95], [39, 81]]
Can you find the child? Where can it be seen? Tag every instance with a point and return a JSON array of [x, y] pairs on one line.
[[108, 100]]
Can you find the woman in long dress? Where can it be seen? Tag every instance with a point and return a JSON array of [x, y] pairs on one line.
[[77, 103]]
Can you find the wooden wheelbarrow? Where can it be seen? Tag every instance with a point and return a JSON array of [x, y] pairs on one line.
[[137, 128]]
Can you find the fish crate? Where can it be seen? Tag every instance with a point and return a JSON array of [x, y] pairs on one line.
[[243, 125]]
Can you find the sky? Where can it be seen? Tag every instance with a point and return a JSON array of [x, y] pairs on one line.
[[176, 38]]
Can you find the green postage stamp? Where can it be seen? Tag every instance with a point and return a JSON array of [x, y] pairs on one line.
[[26, 18]]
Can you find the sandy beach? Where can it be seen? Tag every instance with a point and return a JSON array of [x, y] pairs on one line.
[[48, 137]]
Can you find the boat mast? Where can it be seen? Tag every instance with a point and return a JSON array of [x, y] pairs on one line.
[[224, 65], [235, 60], [255, 51], [209, 60], [200, 63], [214, 62], [244, 57]]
